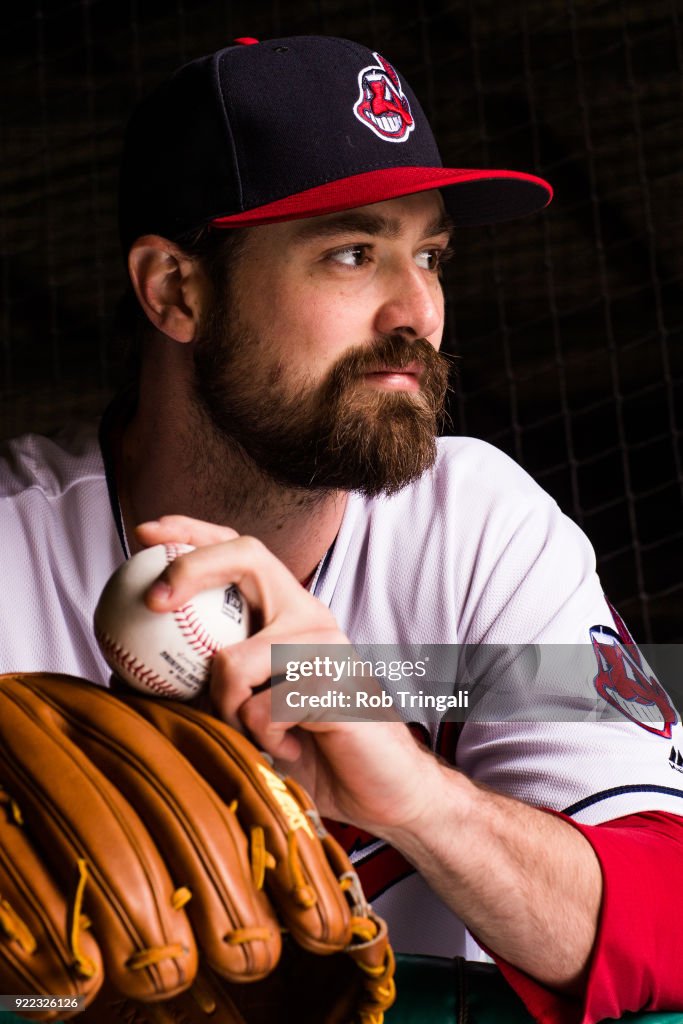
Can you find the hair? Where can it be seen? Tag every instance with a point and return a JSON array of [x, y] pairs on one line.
[[216, 250]]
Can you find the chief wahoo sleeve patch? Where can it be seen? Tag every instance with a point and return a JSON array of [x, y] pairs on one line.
[[626, 681]]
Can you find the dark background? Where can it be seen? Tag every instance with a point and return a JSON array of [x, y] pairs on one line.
[[568, 326]]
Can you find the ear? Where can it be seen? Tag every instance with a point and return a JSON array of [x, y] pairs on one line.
[[169, 286]]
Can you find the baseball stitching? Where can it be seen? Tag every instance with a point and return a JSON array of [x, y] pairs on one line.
[[123, 658], [193, 631], [188, 621]]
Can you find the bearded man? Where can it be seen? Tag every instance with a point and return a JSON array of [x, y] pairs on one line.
[[285, 217]]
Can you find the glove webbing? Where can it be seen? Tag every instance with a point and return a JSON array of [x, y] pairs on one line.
[[379, 982]]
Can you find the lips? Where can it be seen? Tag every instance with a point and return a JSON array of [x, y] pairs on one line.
[[413, 369], [392, 378]]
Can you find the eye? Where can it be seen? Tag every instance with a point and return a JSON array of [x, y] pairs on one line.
[[433, 258], [350, 256]]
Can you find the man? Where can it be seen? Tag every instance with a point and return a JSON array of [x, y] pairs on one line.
[[285, 215]]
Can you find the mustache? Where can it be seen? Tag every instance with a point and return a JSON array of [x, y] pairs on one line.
[[391, 350]]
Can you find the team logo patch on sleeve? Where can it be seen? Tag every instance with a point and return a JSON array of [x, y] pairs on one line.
[[626, 681], [382, 106]]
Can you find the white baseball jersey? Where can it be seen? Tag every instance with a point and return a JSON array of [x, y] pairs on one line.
[[474, 553]]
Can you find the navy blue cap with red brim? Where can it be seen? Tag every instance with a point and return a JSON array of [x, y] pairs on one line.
[[259, 133]]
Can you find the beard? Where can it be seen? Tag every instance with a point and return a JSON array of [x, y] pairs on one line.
[[337, 433]]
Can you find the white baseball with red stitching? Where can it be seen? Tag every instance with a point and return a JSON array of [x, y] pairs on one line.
[[165, 653]]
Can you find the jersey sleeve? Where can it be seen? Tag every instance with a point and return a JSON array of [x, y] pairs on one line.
[[635, 963], [568, 713]]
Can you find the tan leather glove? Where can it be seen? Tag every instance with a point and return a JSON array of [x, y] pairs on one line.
[[149, 844]]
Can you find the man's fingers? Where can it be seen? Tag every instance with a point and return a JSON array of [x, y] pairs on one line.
[[182, 530], [264, 581], [276, 738], [213, 565], [239, 669]]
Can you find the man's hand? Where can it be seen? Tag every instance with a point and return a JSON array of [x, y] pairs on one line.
[[371, 774]]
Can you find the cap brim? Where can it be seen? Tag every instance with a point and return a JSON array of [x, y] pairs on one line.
[[471, 196]]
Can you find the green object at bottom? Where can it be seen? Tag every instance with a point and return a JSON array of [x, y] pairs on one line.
[[435, 990], [443, 991]]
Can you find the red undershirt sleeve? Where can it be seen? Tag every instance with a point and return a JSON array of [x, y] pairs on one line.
[[636, 960]]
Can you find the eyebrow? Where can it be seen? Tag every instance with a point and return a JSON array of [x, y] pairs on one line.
[[365, 223]]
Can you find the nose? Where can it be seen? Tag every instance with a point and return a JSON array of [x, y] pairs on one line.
[[412, 304]]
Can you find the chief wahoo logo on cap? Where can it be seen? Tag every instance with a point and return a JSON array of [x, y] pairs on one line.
[[382, 107]]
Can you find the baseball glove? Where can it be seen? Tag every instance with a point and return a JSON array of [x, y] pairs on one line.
[[153, 863]]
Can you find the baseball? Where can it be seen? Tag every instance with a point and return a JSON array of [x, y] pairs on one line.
[[165, 653]]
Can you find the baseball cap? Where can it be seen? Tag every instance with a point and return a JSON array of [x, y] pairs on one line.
[[261, 132]]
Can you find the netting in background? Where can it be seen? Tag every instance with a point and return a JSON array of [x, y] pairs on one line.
[[568, 326]]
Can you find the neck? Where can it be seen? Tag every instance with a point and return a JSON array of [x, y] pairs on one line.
[[180, 465]]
